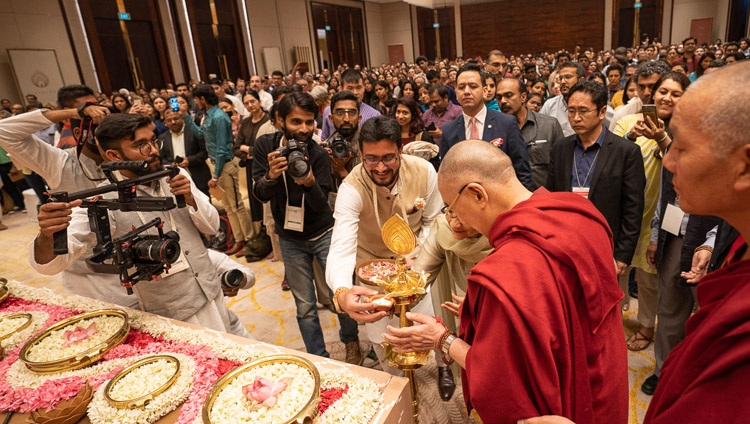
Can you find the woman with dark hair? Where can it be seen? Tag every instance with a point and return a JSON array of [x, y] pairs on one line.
[[598, 77], [244, 142], [415, 140], [407, 88], [653, 139], [622, 97], [333, 83], [227, 106], [383, 98], [703, 63], [423, 99], [121, 103], [160, 108], [369, 84], [680, 67]]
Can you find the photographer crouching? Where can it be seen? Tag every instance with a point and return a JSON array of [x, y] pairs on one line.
[[191, 289], [292, 172]]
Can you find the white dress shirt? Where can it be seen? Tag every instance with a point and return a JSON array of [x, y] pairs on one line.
[[481, 119], [178, 143]]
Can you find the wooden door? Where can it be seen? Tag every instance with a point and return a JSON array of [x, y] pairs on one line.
[[701, 29], [221, 53], [395, 53], [339, 35]]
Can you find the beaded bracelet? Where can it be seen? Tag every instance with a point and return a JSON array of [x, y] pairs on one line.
[[709, 249]]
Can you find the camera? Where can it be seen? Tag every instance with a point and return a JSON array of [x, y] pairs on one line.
[[340, 148], [295, 153], [144, 249]]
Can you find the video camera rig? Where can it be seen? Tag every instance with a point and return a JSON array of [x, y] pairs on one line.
[[150, 255]]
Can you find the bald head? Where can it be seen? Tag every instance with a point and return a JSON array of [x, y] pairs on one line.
[[475, 160], [720, 101]]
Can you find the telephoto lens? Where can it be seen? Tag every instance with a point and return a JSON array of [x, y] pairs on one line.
[[166, 250], [232, 279]]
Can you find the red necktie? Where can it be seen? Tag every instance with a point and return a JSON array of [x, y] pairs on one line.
[[473, 131]]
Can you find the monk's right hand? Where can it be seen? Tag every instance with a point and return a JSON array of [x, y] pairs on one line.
[[349, 302], [55, 216]]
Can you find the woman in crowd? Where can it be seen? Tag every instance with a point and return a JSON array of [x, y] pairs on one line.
[[672, 55], [539, 86], [160, 108], [622, 97], [681, 68], [407, 88], [333, 84], [424, 97], [598, 77], [415, 139], [369, 83], [383, 98], [667, 93], [227, 106], [121, 103], [489, 91], [243, 149], [705, 60]]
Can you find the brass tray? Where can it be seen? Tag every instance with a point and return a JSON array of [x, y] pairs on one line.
[[142, 401], [305, 416], [79, 360], [21, 327], [363, 264]]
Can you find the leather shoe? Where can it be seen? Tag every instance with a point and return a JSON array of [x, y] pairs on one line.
[[649, 385], [446, 384], [353, 353], [236, 247]]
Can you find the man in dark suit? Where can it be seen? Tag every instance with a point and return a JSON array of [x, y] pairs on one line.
[[478, 123], [178, 142], [605, 168], [539, 132]]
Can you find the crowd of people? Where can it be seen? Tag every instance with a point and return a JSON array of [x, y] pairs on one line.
[[543, 190]]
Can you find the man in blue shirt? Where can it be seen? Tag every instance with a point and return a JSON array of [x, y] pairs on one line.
[[216, 130]]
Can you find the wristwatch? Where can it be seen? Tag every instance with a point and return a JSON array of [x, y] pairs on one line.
[[83, 106], [447, 345]]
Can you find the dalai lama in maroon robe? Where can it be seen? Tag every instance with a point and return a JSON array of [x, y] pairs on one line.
[[541, 328]]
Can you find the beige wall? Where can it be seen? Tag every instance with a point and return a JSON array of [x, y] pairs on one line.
[[37, 24], [397, 29], [374, 21], [687, 10]]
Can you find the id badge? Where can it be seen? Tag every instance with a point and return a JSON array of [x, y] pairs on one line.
[[294, 218], [582, 191], [672, 219]]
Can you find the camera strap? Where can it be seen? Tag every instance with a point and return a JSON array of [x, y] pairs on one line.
[[181, 264]]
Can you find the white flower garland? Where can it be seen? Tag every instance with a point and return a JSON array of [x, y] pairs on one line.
[[231, 406], [53, 346], [157, 326], [358, 405], [37, 319], [100, 411]]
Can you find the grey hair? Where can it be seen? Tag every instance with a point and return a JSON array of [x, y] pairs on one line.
[[725, 118], [651, 67]]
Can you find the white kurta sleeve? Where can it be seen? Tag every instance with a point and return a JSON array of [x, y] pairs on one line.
[[342, 255]]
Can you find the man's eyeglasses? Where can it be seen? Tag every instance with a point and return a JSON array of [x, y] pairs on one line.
[[341, 112], [147, 148], [448, 209], [387, 160], [582, 112], [566, 77]]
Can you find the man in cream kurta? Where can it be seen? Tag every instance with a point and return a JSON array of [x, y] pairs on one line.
[[191, 291], [385, 183]]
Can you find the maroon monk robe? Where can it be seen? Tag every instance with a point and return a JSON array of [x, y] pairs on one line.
[[542, 316], [706, 378]]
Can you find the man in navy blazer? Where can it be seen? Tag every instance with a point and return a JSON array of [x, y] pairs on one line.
[[478, 122], [178, 142]]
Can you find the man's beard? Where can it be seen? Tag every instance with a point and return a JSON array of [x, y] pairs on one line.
[[299, 135], [348, 132], [387, 183]]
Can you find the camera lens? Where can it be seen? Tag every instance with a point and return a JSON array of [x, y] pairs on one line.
[[340, 149], [298, 166], [164, 251], [232, 278]]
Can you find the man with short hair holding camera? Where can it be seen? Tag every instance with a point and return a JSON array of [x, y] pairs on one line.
[[192, 290], [293, 173], [342, 146]]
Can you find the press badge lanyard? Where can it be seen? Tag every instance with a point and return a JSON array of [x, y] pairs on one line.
[[294, 216], [583, 189]]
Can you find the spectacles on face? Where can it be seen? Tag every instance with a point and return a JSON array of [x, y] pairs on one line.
[[566, 77], [581, 112], [342, 112], [448, 209], [147, 148], [387, 160]]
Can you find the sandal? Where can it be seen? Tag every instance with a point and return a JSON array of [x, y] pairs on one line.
[[637, 337]]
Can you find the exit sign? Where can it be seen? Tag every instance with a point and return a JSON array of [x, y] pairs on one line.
[[123, 16], [436, 25], [638, 5]]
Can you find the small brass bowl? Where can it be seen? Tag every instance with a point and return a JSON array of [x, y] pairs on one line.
[[20, 327], [79, 360], [305, 416], [142, 401], [4, 291], [366, 263]]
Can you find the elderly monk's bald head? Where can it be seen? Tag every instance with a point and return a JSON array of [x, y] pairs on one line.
[[477, 182], [710, 152]]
